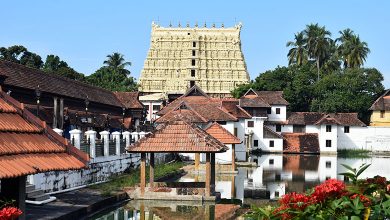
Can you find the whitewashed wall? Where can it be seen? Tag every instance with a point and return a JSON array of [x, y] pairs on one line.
[[278, 145], [355, 139], [278, 117], [323, 136], [241, 148]]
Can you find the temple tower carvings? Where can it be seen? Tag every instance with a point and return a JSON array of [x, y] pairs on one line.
[[180, 57]]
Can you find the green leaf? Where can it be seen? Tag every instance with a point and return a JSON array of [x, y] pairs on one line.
[[362, 169], [349, 168], [355, 217]]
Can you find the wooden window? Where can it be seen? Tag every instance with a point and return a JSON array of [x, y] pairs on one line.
[[192, 73], [382, 114], [328, 164], [251, 124], [235, 131], [268, 111], [193, 62], [278, 128], [278, 111], [271, 161], [277, 194], [278, 177], [194, 44], [255, 143], [156, 107], [346, 129], [329, 128], [328, 143], [193, 53], [271, 144]]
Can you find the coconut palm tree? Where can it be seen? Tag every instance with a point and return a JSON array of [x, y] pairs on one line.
[[117, 62], [357, 52], [298, 53], [318, 44], [352, 50]]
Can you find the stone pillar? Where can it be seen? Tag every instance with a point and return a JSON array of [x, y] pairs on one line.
[[58, 131], [105, 135], [143, 173], [212, 173], [55, 110], [61, 117], [91, 135], [151, 170], [15, 189], [116, 135], [126, 136], [135, 136], [197, 161], [75, 137], [208, 175], [233, 157]]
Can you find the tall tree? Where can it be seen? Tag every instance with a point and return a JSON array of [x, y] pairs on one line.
[[298, 53], [55, 65], [20, 54], [318, 44], [352, 50], [117, 62]]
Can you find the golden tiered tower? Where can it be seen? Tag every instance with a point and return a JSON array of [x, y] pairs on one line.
[[180, 57]]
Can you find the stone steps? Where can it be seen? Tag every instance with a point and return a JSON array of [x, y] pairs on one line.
[[33, 194]]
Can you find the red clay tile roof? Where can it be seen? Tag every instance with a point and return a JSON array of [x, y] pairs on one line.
[[232, 106], [317, 118], [29, 78], [27, 146], [304, 118], [178, 136], [129, 99], [211, 109], [269, 133], [254, 98], [220, 133], [350, 119], [301, 142], [382, 103], [183, 111]]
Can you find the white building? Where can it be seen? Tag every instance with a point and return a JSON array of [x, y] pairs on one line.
[[153, 103]]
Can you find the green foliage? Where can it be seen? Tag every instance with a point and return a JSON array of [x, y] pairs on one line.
[[353, 173], [55, 65], [353, 153], [112, 79], [344, 90], [21, 55], [363, 199]]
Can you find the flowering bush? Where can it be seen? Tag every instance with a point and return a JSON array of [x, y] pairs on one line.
[[333, 199], [9, 213]]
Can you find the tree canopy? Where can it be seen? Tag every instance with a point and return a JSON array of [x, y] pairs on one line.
[[113, 75], [323, 74]]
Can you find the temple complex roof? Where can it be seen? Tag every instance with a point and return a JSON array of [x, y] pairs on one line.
[[28, 146], [178, 136], [220, 133]]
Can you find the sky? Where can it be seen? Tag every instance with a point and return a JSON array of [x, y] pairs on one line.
[[83, 33]]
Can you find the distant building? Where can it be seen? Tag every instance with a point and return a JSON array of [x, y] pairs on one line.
[[152, 103], [380, 115], [180, 57]]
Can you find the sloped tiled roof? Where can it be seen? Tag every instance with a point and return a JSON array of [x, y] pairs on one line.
[[272, 97], [29, 78], [382, 103], [220, 133], [129, 99], [178, 136], [301, 142], [253, 98], [232, 106], [349, 119], [182, 111], [27, 146], [317, 118], [208, 108], [269, 133]]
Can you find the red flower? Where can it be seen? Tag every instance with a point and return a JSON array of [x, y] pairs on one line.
[[9, 213], [331, 188], [366, 201]]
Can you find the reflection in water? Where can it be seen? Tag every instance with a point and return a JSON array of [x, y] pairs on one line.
[[274, 176]]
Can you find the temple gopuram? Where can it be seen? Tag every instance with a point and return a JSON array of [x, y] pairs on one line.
[[180, 57]]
